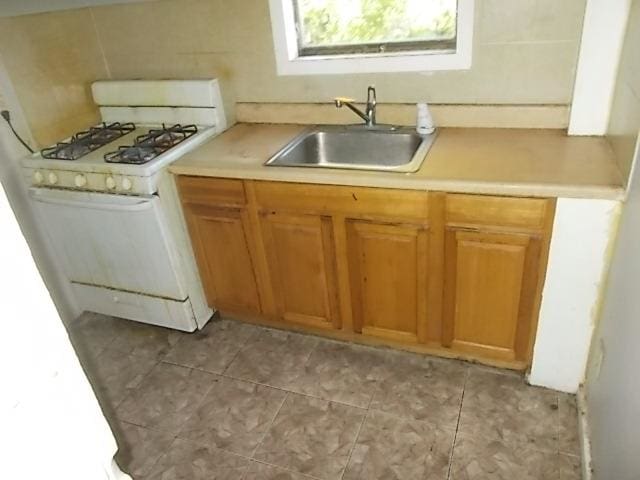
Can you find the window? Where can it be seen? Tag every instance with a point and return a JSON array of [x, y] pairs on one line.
[[360, 36]]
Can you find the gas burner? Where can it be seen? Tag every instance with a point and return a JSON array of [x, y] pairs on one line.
[[146, 147], [87, 141]]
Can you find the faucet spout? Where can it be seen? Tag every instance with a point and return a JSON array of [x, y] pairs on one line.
[[369, 115]]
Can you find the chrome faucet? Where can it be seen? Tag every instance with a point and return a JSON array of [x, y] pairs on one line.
[[369, 115]]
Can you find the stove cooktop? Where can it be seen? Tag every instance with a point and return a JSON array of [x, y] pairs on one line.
[[87, 141], [148, 146], [142, 149]]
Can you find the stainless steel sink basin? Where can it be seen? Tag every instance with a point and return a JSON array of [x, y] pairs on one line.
[[395, 149]]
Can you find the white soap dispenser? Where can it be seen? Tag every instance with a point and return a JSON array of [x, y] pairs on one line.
[[424, 121]]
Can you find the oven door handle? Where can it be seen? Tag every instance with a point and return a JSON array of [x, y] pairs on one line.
[[94, 201]]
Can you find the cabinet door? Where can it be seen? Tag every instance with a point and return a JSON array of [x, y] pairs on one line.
[[220, 241], [489, 292], [388, 272], [301, 260]]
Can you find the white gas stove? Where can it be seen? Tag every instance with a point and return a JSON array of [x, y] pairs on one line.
[[111, 209], [92, 172], [126, 152]]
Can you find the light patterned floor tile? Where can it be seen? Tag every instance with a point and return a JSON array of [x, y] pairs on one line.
[[139, 448], [389, 447], [420, 388], [234, 416], [260, 471], [185, 460], [311, 436], [479, 458], [505, 408], [213, 348], [338, 372], [114, 375], [145, 340], [273, 357], [166, 398], [568, 413]]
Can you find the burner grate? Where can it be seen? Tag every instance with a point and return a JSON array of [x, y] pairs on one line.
[[146, 147], [87, 141]]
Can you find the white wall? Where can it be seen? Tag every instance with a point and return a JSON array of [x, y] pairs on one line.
[[524, 52], [22, 7], [52, 426], [613, 381], [15, 187], [602, 38], [624, 120], [578, 261]]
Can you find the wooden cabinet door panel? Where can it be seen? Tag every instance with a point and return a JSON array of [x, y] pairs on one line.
[[220, 241], [301, 259], [490, 285], [388, 265]]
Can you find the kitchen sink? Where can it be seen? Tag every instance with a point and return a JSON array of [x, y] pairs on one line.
[[385, 148]]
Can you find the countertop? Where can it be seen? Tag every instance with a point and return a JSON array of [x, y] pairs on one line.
[[520, 162]]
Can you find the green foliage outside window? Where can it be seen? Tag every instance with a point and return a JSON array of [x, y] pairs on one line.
[[344, 22]]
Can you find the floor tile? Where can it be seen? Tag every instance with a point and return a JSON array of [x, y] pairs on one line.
[[421, 388], [114, 375], [166, 398], [260, 471], [139, 448], [568, 413], [214, 347], [311, 436], [570, 467], [338, 372], [507, 429], [273, 357], [145, 340], [91, 333], [234, 416], [505, 408], [392, 448], [185, 460], [478, 458]]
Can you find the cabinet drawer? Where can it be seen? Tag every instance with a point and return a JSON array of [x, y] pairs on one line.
[[212, 191], [528, 213], [332, 199]]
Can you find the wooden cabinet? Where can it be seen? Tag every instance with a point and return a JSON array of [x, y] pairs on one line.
[[490, 283], [494, 267], [389, 273], [301, 261], [449, 274], [220, 235]]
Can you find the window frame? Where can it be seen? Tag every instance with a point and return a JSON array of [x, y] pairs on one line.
[[290, 62]]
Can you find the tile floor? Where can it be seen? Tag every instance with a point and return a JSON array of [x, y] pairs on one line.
[[240, 402]]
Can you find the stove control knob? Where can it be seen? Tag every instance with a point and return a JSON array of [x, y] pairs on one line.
[[53, 178], [80, 181], [110, 183], [126, 184], [38, 177]]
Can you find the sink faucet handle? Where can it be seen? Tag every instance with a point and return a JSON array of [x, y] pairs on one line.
[[341, 100], [371, 106]]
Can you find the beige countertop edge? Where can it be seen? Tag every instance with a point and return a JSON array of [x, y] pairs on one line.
[[404, 181]]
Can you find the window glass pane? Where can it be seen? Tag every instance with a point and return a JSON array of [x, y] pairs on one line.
[[327, 23]]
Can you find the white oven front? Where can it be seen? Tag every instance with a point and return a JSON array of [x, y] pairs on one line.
[[114, 242]]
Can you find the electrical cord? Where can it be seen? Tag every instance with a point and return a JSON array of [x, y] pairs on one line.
[[7, 116]]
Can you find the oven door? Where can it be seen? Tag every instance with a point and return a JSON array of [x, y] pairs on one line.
[[113, 241]]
